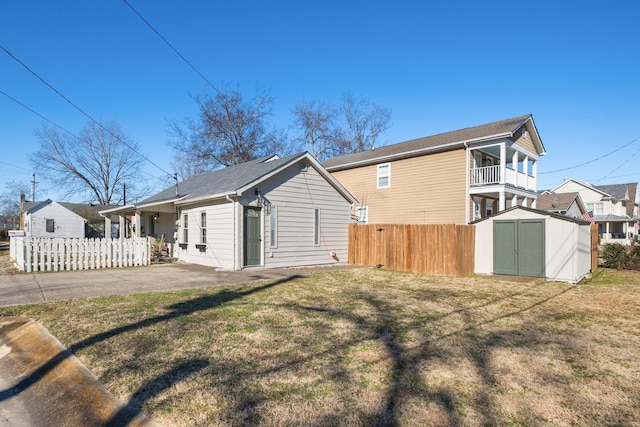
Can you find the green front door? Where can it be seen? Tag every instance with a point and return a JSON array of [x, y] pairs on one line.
[[518, 247], [252, 237]]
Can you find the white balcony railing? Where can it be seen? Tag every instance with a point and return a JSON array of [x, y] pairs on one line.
[[491, 175]]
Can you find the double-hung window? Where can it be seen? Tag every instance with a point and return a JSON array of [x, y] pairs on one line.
[[203, 228], [185, 228], [273, 227], [316, 227], [384, 175], [51, 225]]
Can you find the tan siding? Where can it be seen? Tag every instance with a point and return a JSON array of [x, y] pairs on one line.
[[424, 190], [525, 141]]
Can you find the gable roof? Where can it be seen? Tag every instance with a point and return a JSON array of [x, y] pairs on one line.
[[558, 202], [31, 207], [441, 142], [535, 211], [618, 191], [235, 179]]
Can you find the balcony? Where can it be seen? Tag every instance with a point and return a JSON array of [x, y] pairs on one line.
[[491, 175]]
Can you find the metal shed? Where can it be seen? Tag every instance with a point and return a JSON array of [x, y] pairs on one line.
[[522, 241]]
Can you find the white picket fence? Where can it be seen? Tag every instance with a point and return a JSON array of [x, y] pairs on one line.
[[58, 254]]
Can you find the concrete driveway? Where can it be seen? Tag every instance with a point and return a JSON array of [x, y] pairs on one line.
[[34, 288]]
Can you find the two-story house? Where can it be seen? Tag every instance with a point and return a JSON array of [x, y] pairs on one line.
[[455, 177], [613, 208]]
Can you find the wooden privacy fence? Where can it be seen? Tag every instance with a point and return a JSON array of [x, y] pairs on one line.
[[594, 247], [438, 249], [57, 254]]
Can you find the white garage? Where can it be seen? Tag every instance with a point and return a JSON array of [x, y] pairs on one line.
[[522, 241]]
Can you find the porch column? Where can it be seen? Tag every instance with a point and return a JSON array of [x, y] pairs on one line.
[[533, 203], [534, 173], [123, 226], [107, 227], [137, 224], [503, 163], [514, 200], [607, 229], [525, 202], [514, 163], [501, 201]]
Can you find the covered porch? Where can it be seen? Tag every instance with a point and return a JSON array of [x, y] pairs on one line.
[[157, 222], [615, 229]]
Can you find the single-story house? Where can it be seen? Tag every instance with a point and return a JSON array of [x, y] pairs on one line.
[[269, 212], [529, 242], [51, 219]]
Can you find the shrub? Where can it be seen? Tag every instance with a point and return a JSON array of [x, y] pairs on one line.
[[614, 255]]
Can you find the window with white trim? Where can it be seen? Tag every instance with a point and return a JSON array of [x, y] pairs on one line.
[[384, 175], [185, 228], [203, 228], [362, 213], [316, 227], [51, 225], [273, 227]]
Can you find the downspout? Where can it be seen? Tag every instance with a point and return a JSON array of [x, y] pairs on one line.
[[466, 184], [234, 231]]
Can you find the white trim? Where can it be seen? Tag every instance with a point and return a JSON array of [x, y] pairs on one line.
[[388, 175]]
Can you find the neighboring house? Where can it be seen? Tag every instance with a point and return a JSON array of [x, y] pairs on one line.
[[568, 204], [454, 177], [270, 212], [51, 219], [613, 208]]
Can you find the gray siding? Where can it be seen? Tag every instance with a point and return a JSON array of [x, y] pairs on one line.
[[296, 194], [219, 246], [66, 223]]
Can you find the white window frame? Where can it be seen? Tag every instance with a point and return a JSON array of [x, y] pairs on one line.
[[383, 167], [51, 221], [316, 226], [362, 212], [203, 227], [273, 227], [185, 228]]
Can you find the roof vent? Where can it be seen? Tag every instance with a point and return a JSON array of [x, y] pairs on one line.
[[304, 166]]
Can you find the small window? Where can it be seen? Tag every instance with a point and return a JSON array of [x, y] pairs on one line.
[[384, 175], [362, 213], [185, 228], [203, 227], [489, 209], [316, 227], [273, 227], [51, 225]]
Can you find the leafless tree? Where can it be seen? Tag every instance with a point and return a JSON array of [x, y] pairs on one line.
[[327, 131], [230, 130], [316, 124], [10, 198], [363, 122], [92, 166]]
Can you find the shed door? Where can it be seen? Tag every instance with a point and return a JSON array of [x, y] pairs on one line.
[[518, 247]]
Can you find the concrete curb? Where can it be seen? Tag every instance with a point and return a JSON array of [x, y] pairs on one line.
[[42, 383]]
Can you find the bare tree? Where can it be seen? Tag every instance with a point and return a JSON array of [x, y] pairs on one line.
[[316, 123], [363, 122], [230, 130], [94, 165], [10, 200], [330, 131]]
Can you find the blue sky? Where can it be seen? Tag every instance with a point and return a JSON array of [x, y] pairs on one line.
[[439, 66]]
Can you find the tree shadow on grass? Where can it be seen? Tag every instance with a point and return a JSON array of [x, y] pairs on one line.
[[180, 309]]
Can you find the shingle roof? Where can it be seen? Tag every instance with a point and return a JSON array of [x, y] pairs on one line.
[[555, 202], [440, 141], [222, 181], [619, 191]]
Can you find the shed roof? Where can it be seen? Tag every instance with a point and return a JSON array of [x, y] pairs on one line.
[[444, 141], [536, 211]]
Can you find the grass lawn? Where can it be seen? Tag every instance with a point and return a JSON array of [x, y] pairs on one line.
[[367, 347]]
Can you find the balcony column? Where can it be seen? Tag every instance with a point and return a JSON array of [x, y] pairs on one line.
[[514, 200], [501, 201], [534, 173], [514, 162], [503, 163]]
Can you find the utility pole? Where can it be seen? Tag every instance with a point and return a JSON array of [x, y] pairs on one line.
[[124, 194], [33, 188], [175, 178]]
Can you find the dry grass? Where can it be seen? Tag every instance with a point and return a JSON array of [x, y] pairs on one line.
[[367, 347]]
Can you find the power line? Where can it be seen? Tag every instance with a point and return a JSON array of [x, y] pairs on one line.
[[592, 161], [171, 46], [87, 115], [37, 114]]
